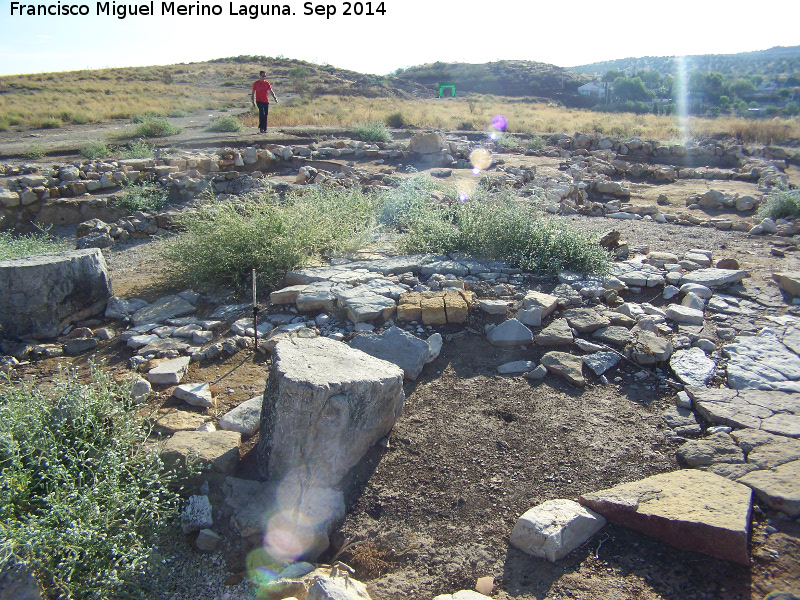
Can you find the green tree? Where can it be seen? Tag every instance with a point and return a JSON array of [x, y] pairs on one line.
[[631, 88], [742, 87], [612, 74], [791, 109], [652, 79]]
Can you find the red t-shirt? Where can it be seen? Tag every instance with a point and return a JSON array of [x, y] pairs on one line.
[[262, 88]]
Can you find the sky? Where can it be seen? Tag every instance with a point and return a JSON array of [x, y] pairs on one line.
[[406, 33]]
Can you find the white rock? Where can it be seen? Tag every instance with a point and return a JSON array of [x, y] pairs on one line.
[[555, 528], [245, 418], [170, 372], [196, 514], [196, 394]]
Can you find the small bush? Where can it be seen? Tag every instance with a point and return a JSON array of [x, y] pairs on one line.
[[156, 127], [467, 126], [94, 150], [534, 143], [373, 131], [177, 113], [225, 241], [32, 244], [227, 123], [781, 205], [138, 149], [34, 151], [80, 495], [145, 197], [397, 120], [502, 228]]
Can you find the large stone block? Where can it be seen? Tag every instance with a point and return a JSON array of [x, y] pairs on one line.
[[689, 509], [325, 404], [398, 347], [40, 295]]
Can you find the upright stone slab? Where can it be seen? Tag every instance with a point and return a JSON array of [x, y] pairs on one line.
[[689, 509], [40, 295], [324, 405]]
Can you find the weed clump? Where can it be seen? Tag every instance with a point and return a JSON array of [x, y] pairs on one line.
[[138, 149], [226, 123], [152, 127], [80, 493], [94, 150], [373, 131], [144, 197], [781, 205], [397, 120], [31, 244]]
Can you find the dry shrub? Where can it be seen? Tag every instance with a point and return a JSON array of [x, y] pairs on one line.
[[369, 561]]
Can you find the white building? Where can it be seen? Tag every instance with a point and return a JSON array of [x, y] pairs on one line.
[[597, 90]]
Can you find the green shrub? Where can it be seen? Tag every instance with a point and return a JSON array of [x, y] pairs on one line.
[[34, 151], [156, 127], [144, 197], [227, 123], [94, 150], [501, 228], [373, 131], [177, 113], [397, 120], [80, 493], [138, 149], [466, 126], [223, 242], [31, 244], [534, 143], [780, 205]]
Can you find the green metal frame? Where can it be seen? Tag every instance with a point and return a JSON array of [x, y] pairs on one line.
[[444, 86]]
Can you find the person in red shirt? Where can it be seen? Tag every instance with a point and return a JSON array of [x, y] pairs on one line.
[[261, 91]]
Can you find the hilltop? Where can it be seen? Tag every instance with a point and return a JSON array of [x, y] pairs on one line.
[[780, 61]]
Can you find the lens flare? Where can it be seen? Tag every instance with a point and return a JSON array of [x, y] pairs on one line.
[[462, 197], [493, 136], [499, 122], [480, 158]]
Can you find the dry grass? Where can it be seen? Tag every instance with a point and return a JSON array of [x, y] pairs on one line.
[[523, 117]]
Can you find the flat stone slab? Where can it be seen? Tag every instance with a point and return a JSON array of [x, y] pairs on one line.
[[585, 320], [760, 361], [689, 509], [287, 295], [616, 335], [169, 372], [325, 404], [555, 528], [396, 346], [558, 333], [162, 345], [692, 367], [770, 411], [684, 314], [714, 278], [363, 305], [245, 418], [546, 302], [788, 281], [600, 362], [510, 334], [219, 449], [170, 420], [565, 365], [678, 418], [779, 488], [717, 448], [649, 349], [518, 366], [493, 307], [196, 394], [162, 309], [316, 296]]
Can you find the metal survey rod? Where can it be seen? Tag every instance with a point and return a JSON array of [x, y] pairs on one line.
[[255, 313]]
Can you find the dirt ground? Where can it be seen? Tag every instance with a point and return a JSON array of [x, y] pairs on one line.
[[473, 450]]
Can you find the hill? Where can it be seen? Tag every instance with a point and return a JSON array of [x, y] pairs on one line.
[[780, 61], [500, 78]]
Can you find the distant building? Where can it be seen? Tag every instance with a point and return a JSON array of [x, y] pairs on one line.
[[594, 89]]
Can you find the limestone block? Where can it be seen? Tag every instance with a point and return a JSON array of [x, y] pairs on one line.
[[456, 306], [324, 405], [396, 346], [219, 449], [555, 528], [40, 295], [432, 310]]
